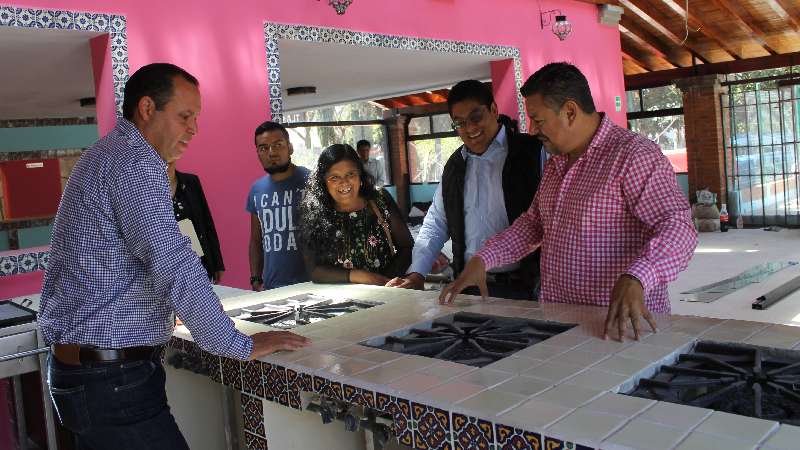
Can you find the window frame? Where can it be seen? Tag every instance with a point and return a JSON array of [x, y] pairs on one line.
[[424, 137]]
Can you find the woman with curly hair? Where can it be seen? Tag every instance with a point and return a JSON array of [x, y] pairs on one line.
[[350, 232]]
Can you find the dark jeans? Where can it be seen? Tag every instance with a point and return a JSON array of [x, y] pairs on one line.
[[115, 406]]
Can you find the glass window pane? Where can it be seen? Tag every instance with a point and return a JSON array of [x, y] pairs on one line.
[[442, 123], [308, 142], [669, 133], [350, 111], [632, 99], [663, 97], [426, 158], [419, 125]]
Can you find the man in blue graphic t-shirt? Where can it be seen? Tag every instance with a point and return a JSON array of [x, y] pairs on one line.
[[275, 260]]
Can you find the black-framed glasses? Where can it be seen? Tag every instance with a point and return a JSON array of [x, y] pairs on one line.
[[474, 117], [277, 146]]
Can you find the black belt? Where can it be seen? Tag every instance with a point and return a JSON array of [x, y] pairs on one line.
[[76, 355]]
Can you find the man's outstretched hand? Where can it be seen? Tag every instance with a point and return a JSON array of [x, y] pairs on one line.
[[269, 342], [474, 274], [627, 304]]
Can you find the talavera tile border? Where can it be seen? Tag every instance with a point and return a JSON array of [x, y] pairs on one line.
[[49, 19], [52, 19], [273, 32], [416, 425]]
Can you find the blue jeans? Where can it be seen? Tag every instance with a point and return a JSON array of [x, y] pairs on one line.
[[115, 406]]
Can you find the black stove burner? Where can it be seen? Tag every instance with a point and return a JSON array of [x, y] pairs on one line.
[[468, 338], [297, 314], [739, 379]]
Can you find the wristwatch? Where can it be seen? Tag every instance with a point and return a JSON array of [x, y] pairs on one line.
[[255, 278]]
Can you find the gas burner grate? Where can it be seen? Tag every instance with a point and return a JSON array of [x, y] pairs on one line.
[[299, 310], [740, 379], [468, 338]]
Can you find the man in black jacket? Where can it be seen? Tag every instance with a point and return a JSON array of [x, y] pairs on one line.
[[486, 184], [189, 202]]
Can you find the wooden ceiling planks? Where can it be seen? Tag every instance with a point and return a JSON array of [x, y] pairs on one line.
[[715, 31]]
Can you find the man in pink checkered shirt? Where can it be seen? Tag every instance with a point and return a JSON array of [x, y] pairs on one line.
[[613, 225]]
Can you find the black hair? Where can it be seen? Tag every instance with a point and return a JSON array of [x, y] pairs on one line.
[[363, 143], [317, 208], [557, 83], [155, 81], [271, 126], [470, 90]]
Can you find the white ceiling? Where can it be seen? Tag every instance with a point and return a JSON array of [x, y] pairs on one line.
[[345, 73], [45, 73]]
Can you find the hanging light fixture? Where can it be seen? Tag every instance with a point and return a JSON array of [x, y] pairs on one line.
[[340, 5], [560, 27]]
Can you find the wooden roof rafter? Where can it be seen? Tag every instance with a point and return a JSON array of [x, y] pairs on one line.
[[647, 17], [696, 24], [634, 60], [648, 43], [747, 24], [781, 8]]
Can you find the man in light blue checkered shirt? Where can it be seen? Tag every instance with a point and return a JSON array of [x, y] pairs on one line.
[[119, 268]]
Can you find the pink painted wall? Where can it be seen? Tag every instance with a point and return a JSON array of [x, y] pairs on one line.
[[222, 43]]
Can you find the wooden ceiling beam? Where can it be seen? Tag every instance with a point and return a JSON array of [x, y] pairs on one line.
[[654, 61], [647, 18], [705, 30], [781, 7], [634, 60], [664, 77], [747, 24], [636, 36]]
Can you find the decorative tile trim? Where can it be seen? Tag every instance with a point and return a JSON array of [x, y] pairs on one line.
[[253, 442], [23, 261], [252, 378], [470, 433], [432, 431], [400, 409], [77, 20], [359, 396], [328, 388], [275, 385], [231, 373], [514, 438], [253, 415], [275, 31], [298, 382]]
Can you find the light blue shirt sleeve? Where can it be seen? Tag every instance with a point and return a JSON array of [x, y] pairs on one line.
[[432, 236]]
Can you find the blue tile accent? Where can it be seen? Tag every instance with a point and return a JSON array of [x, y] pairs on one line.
[[26, 263], [42, 258], [8, 265], [7, 16], [26, 17], [64, 20]]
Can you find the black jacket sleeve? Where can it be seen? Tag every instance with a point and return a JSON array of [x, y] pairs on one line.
[[200, 215], [401, 236]]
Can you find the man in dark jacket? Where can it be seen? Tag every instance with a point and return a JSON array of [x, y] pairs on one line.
[[486, 184]]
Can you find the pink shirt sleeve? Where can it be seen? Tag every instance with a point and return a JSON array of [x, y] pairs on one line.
[[652, 195], [516, 241]]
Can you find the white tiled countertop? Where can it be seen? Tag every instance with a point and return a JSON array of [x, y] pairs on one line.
[[566, 387]]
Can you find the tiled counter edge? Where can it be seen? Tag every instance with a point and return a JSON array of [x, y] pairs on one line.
[[416, 425]]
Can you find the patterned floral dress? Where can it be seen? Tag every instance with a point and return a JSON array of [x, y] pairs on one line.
[[361, 241]]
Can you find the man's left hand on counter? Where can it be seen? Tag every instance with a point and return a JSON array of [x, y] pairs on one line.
[[627, 304]]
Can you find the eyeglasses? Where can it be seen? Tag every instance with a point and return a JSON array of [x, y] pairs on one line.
[[277, 146], [474, 117]]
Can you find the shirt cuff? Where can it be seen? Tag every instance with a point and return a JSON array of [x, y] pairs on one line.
[[420, 265], [488, 258], [241, 347], [642, 271]]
